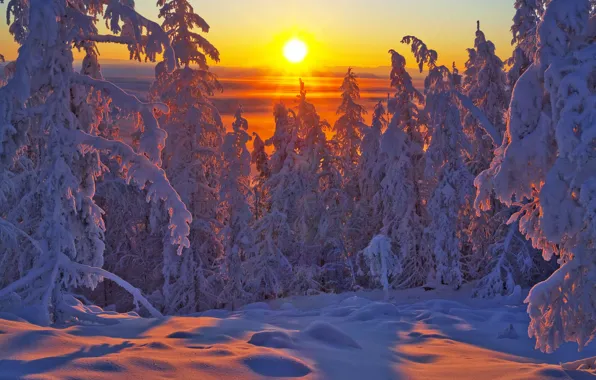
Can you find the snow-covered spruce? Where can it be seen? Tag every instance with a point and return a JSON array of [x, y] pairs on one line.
[[267, 265], [260, 159], [57, 219], [399, 201], [346, 145], [450, 202], [237, 234], [485, 84], [321, 259], [191, 158], [528, 14], [547, 164], [364, 223]]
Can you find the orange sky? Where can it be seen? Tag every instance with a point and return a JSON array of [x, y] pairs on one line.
[[338, 32]]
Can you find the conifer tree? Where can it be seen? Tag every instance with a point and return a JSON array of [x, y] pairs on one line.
[[348, 132], [235, 198], [268, 268], [525, 23], [400, 199], [191, 158], [260, 159], [545, 169], [485, 84], [450, 200], [57, 221], [364, 222]]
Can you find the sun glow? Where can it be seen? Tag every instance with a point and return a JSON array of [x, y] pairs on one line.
[[295, 50]]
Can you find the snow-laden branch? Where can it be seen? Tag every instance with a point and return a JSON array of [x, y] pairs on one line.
[[6, 224], [153, 138], [106, 38], [488, 127], [135, 292], [155, 33], [142, 171], [24, 281]]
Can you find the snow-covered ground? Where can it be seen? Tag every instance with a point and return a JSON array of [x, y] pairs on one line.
[[416, 335]]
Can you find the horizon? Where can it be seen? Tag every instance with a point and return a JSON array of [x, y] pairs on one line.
[[257, 41]]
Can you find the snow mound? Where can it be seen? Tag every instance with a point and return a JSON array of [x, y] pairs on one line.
[[339, 311], [330, 335], [218, 313], [588, 364], [257, 306], [375, 310], [355, 301], [181, 335], [508, 333], [440, 319], [277, 366], [272, 339], [287, 306]]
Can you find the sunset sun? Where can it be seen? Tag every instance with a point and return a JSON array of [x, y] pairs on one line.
[[295, 50]]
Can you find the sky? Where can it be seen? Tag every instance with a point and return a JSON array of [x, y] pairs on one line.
[[339, 33]]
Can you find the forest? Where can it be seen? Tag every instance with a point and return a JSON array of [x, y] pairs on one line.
[[484, 177]]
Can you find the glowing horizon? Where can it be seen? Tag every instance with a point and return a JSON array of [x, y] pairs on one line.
[[355, 33]]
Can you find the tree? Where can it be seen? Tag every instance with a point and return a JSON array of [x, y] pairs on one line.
[[3, 78], [267, 265], [450, 200], [237, 235], [191, 158], [364, 222], [525, 23], [260, 159], [321, 260], [382, 262], [348, 132], [545, 168], [485, 84], [57, 221], [134, 244], [400, 201]]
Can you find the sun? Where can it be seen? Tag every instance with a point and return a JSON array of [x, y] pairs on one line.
[[295, 50]]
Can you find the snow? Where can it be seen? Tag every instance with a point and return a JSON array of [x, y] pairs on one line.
[[417, 334]]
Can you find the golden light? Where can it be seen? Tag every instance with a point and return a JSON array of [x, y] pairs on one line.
[[295, 50]]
